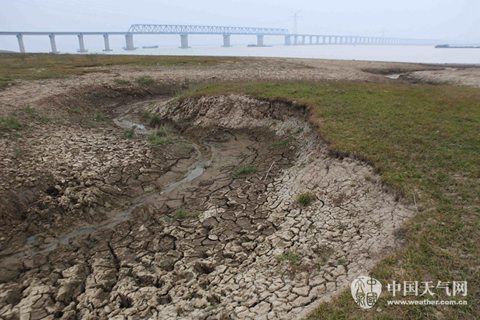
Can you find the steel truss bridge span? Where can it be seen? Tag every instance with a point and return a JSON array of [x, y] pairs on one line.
[[197, 29]]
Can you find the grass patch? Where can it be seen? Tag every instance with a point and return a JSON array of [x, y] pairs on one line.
[[18, 153], [182, 214], [289, 256], [28, 110], [305, 199], [152, 119], [129, 133], [159, 137], [75, 110], [155, 120], [45, 66], [121, 82], [145, 81], [280, 144], [424, 142], [34, 114], [10, 123], [244, 171], [99, 116]]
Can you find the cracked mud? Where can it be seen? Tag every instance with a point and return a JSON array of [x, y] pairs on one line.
[[206, 227]]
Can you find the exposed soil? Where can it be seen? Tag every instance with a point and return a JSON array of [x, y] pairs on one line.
[[204, 225], [100, 226]]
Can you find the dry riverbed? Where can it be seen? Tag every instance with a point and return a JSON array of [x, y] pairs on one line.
[[119, 202]]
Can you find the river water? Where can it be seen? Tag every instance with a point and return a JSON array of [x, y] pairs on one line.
[[423, 54], [209, 46]]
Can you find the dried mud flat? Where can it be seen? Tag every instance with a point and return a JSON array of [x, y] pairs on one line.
[[204, 225]]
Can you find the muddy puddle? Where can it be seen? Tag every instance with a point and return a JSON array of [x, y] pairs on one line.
[[209, 227]]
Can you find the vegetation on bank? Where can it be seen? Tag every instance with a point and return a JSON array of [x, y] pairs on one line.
[[304, 199], [159, 137], [244, 171], [425, 142], [43, 66], [423, 139]]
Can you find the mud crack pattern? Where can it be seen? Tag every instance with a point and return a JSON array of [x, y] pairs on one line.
[[232, 243]]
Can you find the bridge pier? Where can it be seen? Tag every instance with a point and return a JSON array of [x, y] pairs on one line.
[[106, 42], [303, 40], [288, 40], [129, 42], [184, 41], [317, 40], [81, 43], [53, 44], [311, 40], [296, 40], [260, 40], [226, 40], [21, 45]]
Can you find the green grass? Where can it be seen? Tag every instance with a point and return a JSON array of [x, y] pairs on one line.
[[145, 81], [75, 110], [129, 133], [305, 199], [34, 114], [10, 123], [99, 116], [121, 82], [182, 214], [159, 137], [289, 256], [245, 170], [280, 144], [152, 119], [45, 66], [424, 141]]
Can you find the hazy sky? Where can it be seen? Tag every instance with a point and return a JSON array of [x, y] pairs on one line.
[[437, 19]]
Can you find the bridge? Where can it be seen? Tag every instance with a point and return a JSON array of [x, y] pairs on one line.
[[225, 31]]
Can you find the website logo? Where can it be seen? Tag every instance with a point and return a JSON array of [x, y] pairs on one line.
[[366, 291]]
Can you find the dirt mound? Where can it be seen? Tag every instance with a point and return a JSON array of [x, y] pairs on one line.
[[259, 221]]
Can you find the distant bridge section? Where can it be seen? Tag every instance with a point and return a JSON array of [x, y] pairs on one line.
[[196, 29], [225, 31]]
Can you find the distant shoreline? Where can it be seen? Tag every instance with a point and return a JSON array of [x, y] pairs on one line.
[[448, 46]]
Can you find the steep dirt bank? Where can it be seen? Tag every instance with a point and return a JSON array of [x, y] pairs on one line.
[[206, 226]]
